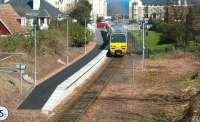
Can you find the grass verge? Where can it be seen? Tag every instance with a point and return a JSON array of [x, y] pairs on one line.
[[152, 40]]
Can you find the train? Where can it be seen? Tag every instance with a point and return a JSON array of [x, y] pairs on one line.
[[117, 41]]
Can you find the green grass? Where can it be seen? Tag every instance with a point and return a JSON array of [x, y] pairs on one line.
[[137, 36], [152, 43], [151, 40], [159, 50], [194, 46]]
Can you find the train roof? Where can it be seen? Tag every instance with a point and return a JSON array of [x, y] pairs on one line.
[[118, 29]]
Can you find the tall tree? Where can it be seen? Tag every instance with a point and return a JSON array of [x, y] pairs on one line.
[[166, 17], [188, 24], [82, 11]]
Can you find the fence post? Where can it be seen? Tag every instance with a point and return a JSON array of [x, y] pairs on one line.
[[148, 52]]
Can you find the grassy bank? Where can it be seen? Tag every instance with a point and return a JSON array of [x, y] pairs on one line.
[[152, 43], [47, 40]]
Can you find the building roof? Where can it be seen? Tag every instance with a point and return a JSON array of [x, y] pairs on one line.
[[44, 13], [155, 2], [8, 17], [162, 2], [27, 7]]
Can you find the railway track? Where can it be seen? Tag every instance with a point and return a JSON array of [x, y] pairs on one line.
[[78, 108], [80, 105]]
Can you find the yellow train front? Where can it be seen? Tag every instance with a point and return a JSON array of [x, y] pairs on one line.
[[118, 44]]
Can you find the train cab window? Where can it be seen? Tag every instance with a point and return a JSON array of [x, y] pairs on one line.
[[118, 38]]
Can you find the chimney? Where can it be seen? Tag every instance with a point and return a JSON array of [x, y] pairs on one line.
[[36, 4]]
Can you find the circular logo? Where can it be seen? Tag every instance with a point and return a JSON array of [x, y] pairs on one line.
[[3, 113]]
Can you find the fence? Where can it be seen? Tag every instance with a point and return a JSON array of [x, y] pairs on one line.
[[138, 48]]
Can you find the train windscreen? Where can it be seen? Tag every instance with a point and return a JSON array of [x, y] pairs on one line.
[[118, 38]]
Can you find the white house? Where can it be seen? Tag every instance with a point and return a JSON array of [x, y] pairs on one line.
[[99, 8], [38, 12], [136, 10], [63, 5], [140, 9]]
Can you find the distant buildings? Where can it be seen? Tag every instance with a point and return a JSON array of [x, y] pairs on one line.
[[63, 5], [10, 21], [171, 11], [139, 9], [34, 12], [99, 8]]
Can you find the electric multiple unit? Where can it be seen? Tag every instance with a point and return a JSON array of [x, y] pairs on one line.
[[118, 41]]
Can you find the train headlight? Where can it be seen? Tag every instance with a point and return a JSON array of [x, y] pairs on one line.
[[123, 47], [112, 46]]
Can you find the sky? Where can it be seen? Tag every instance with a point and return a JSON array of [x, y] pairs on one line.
[[118, 7]]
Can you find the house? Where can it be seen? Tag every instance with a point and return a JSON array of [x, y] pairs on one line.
[[35, 12], [140, 9], [63, 5], [99, 8], [10, 21]]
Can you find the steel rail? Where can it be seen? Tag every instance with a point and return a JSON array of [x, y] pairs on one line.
[[78, 108]]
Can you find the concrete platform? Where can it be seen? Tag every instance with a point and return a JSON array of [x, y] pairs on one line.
[[41, 94], [67, 87]]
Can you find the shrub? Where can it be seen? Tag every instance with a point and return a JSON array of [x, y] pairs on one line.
[[155, 24], [48, 38], [77, 34], [10, 43]]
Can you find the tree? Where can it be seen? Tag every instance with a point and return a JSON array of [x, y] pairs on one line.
[[189, 29], [166, 17], [77, 34], [82, 11], [146, 10], [180, 16]]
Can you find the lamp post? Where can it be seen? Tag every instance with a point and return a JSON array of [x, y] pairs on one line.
[[85, 36], [143, 42], [35, 55], [67, 41], [143, 46]]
